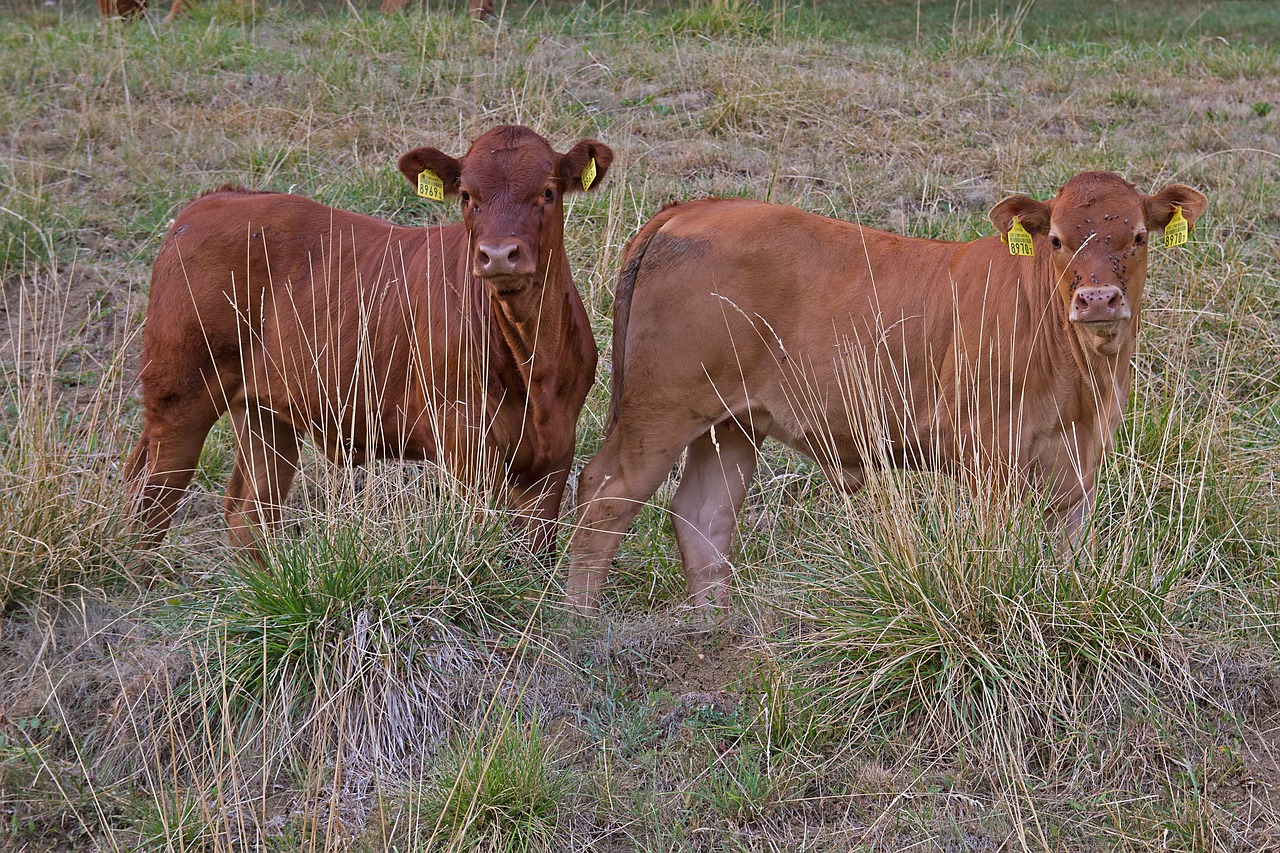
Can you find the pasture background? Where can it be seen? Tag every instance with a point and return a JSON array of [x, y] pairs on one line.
[[994, 694]]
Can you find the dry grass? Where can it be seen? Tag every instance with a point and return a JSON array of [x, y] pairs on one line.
[[989, 693]]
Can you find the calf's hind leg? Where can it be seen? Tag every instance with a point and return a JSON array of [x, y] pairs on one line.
[[266, 462], [164, 460], [612, 489], [704, 511]]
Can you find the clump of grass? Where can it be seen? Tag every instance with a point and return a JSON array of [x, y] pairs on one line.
[[969, 628], [498, 790], [179, 822], [383, 625], [996, 31]]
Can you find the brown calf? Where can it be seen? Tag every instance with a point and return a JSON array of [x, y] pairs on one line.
[[466, 344], [735, 321]]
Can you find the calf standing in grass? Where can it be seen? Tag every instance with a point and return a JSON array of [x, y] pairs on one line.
[[466, 344], [735, 321]]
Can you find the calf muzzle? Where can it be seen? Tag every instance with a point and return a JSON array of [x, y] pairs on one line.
[[501, 259], [1099, 305]]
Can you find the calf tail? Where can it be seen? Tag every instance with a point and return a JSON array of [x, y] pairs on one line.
[[633, 257]]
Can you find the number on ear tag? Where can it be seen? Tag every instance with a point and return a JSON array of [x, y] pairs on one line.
[[1019, 240], [1175, 233], [430, 186]]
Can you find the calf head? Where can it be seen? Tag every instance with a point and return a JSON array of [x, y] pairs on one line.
[[511, 184], [1098, 229]]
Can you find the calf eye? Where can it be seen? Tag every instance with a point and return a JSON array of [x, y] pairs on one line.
[[465, 196], [549, 194], [1057, 244], [1139, 239]]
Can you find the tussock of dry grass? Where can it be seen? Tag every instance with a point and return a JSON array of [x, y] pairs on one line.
[[405, 622], [59, 494]]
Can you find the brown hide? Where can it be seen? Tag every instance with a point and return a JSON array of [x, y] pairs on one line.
[[375, 339], [735, 321]]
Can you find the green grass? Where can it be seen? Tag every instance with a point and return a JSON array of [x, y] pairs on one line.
[[1059, 20], [498, 790], [35, 229], [911, 668]]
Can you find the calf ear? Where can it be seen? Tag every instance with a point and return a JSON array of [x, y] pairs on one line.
[[447, 169], [577, 161], [1034, 215], [1158, 208]]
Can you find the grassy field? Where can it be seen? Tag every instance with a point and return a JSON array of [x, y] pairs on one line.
[[904, 669]]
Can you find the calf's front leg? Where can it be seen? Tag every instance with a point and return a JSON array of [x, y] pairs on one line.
[[535, 502]]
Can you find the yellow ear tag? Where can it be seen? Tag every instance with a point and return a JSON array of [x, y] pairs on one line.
[[1175, 233], [1019, 240], [589, 174], [430, 186]]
